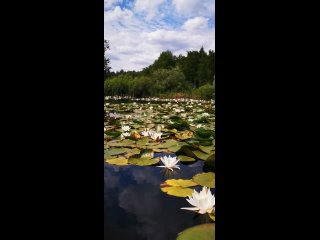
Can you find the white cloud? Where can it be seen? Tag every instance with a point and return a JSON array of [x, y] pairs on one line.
[[135, 43], [192, 8], [150, 7], [196, 23], [110, 3]]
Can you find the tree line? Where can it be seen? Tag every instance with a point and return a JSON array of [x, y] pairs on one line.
[[169, 76]]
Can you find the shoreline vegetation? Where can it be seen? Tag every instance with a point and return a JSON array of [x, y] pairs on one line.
[[158, 99], [191, 76]]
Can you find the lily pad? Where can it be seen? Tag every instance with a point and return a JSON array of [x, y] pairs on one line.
[[168, 143], [177, 191], [184, 158], [143, 161], [184, 135], [123, 143], [118, 161], [174, 148], [212, 215], [201, 155], [206, 149], [180, 183], [143, 141], [188, 151], [147, 153], [204, 133], [117, 151], [200, 232], [205, 179]]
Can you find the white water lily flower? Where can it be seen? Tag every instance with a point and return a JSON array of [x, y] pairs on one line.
[[125, 134], [114, 115], [169, 162], [155, 135], [146, 132], [199, 126], [203, 202], [205, 114], [128, 117], [125, 128]]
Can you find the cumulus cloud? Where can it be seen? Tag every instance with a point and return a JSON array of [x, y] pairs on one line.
[[151, 8], [109, 3], [139, 34], [197, 23], [192, 8]]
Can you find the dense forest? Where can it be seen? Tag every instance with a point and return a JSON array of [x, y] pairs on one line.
[[169, 76]]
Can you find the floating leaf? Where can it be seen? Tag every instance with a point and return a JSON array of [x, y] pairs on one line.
[[113, 133], [184, 158], [118, 161], [143, 161], [180, 183], [123, 143], [170, 130], [201, 155], [143, 141], [187, 150], [213, 217], [206, 149], [147, 153], [184, 135], [211, 157], [168, 143], [204, 133], [174, 148], [117, 151], [205, 179], [177, 191], [200, 232]]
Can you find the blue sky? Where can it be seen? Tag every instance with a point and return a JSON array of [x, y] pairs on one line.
[[139, 30]]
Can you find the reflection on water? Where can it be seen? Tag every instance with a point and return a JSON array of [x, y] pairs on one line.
[[136, 209]]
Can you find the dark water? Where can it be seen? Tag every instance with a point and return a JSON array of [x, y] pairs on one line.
[[135, 208]]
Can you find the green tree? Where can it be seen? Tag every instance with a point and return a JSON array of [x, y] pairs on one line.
[[106, 60]]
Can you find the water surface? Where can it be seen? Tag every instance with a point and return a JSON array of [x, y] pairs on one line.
[[135, 208]]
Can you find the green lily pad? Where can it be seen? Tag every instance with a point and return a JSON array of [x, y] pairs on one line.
[[118, 161], [113, 133], [174, 148], [180, 183], [184, 158], [123, 143], [147, 153], [188, 151], [204, 133], [117, 151], [205, 179], [200, 232], [143, 161], [206, 149], [177, 191], [184, 135], [143, 141], [212, 216], [168, 143], [201, 155]]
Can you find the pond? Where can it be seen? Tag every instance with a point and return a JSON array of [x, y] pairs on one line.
[[135, 205]]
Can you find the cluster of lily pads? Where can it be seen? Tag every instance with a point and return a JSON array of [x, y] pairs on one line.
[[134, 132]]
